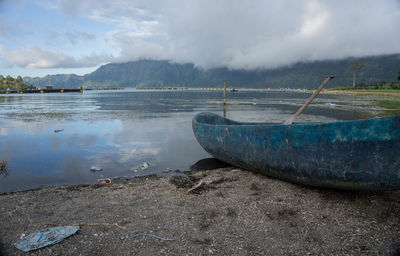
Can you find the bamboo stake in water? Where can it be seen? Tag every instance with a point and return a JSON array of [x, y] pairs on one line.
[[292, 118], [224, 107], [224, 92], [224, 98]]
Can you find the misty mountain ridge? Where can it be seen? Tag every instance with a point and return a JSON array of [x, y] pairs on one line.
[[153, 73]]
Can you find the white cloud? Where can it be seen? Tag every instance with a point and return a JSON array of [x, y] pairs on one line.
[[33, 57]]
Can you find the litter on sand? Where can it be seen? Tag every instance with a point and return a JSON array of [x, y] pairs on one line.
[[167, 170], [45, 237], [120, 179], [154, 236], [99, 181]]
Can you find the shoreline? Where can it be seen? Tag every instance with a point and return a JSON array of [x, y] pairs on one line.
[[226, 211], [366, 93]]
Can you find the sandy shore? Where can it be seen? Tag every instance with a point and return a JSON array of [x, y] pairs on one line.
[[226, 211]]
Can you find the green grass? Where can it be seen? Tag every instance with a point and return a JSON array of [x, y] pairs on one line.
[[391, 107], [378, 90], [389, 104], [349, 88], [387, 87]]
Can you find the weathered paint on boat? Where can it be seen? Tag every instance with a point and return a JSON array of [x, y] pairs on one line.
[[352, 155]]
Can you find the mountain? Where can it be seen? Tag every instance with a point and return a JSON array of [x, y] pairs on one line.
[[58, 81], [152, 73]]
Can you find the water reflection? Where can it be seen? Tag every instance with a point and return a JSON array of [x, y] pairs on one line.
[[49, 158], [118, 131]]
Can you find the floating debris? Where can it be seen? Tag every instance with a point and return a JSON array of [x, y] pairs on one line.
[[145, 166], [45, 237], [95, 169], [57, 131], [331, 105]]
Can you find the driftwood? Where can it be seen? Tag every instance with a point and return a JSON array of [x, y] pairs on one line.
[[204, 183]]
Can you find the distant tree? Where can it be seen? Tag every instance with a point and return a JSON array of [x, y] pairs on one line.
[[12, 83], [398, 77], [354, 67], [8, 82], [19, 84]]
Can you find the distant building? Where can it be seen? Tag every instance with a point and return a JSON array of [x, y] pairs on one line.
[[49, 87]]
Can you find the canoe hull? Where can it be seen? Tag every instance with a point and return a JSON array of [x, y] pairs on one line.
[[352, 155]]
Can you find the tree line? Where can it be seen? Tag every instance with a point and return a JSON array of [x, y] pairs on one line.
[[10, 83], [356, 66]]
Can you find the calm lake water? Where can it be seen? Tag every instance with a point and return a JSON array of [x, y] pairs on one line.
[[53, 139]]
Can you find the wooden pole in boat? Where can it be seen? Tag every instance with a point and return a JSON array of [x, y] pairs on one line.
[[224, 98], [294, 117]]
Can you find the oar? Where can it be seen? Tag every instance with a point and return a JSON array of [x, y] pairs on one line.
[[294, 117]]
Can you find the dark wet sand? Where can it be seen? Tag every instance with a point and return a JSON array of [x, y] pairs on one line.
[[225, 211]]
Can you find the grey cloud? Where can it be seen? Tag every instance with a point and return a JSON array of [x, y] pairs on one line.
[[244, 34], [72, 37], [8, 28], [250, 34], [5, 27], [75, 36], [52, 35]]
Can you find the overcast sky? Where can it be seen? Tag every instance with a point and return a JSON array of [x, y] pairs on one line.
[[40, 37]]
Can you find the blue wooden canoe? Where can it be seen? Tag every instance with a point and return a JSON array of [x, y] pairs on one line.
[[352, 155]]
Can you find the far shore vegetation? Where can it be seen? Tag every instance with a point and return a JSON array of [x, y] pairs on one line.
[[382, 87], [10, 83]]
